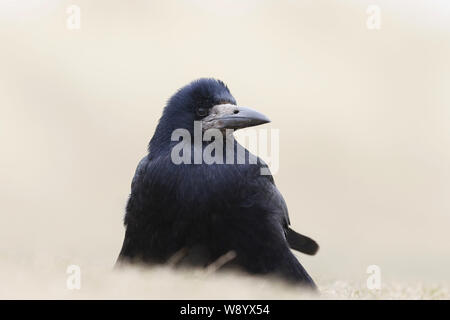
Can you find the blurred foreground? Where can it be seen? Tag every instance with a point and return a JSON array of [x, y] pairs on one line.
[[46, 279]]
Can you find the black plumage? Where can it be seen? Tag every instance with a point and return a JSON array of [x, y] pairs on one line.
[[202, 211]]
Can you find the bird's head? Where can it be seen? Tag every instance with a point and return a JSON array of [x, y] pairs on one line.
[[209, 101]]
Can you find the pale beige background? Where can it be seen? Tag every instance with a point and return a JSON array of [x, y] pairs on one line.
[[364, 119]]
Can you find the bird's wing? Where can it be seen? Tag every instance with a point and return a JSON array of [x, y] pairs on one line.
[[277, 204], [140, 172]]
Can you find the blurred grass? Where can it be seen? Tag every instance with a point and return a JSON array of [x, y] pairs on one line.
[[44, 278]]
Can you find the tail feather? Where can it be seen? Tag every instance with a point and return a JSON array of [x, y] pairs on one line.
[[301, 243]]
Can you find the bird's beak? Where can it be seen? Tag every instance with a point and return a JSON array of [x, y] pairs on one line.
[[240, 117]]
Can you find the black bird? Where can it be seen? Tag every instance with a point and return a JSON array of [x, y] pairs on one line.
[[199, 212]]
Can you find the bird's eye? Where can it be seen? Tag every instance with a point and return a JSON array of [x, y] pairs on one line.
[[202, 112]]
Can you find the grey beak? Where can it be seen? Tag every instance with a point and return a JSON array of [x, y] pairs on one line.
[[242, 117]]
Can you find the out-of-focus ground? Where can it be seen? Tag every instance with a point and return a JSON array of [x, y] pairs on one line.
[[43, 280], [364, 124]]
